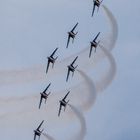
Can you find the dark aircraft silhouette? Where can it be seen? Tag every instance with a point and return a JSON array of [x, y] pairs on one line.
[[63, 103], [96, 3], [44, 95], [38, 132], [94, 44], [51, 59], [71, 68], [72, 35]]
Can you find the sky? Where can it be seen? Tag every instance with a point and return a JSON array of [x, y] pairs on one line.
[[30, 31]]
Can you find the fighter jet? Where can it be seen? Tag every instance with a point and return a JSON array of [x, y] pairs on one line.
[[96, 3], [44, 95], [72, 35], [63, 103], [51, 59], [38, 132], [71, 68], [94, 44]]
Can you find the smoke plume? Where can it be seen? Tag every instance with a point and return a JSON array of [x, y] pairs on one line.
[[85, 88], [82, 121], [48, 137]]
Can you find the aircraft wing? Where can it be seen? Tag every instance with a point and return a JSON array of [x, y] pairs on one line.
[[40, 125], [74, 27], [96, 36], [74, 60], [40, 102], [47, 66], [34, 136], [68, 74], [93, 9], [66, 95], [90, 51], [68, 41], [54, 52], [47, 88], [59, 109]]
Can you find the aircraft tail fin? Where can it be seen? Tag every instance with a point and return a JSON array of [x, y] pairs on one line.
[[49, 93], [76, 67], [66, 105], [95, 50], [98, 42], [73, 40], [45, 100], [97, 9], [56, 57], [97, 45], [72, 74], [52, 65], [68, 101], [42, 130]]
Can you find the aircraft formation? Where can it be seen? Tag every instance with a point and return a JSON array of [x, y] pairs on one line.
[[71, 69]]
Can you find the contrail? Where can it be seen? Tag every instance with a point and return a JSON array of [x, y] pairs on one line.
[[81, 118], [48, 137]]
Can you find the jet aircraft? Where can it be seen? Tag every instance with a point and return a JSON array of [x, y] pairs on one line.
[[44, 95], [38, 132], [63, 103], [71, 68], [94, 44], [72, 35], [96, 3], [51, 59]]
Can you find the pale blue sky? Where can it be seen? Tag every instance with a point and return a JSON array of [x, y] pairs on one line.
[[31, 29]]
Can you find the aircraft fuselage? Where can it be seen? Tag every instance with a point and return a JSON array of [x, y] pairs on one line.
[[93, 44], [71, 68], [44, 95], [37, 132], [71, 34], [63, 103], [51, 59], [97, 3]]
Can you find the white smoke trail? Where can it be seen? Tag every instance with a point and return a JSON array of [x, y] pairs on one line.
[[48, 137], [81, 118], [102, 84], [36, 74], [8, 77], [91, 90], [113, 27], [106, 80], [85, 89]]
